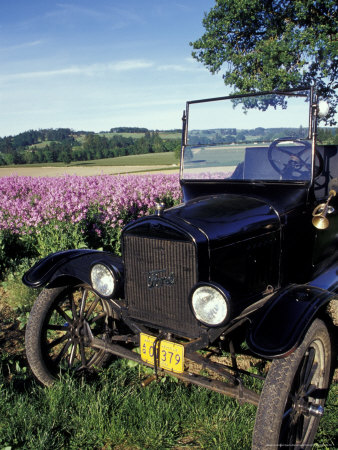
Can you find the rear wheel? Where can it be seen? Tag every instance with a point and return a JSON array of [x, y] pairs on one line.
[[57, 334], [294, 394]]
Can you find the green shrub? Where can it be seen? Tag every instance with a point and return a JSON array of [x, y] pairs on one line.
[[18, 296], [58, 236]]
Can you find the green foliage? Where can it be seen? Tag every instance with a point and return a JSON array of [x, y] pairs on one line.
[[177, 152], [57, 236], [128, 130], [11, 368], [3, 255], [327, 433], [100, 234], [328, 136], [12, 248], [18, 296], [265, 45]]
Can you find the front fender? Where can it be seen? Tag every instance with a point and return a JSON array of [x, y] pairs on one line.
[[278, 329], [66, 265]]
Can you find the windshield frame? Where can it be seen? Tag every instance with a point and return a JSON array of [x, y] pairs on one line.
[[304, 92]]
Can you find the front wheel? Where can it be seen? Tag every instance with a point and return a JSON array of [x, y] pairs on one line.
[[57, 331], [294, 394]]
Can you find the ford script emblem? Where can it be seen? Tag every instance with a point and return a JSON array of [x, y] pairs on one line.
[[156, 278]]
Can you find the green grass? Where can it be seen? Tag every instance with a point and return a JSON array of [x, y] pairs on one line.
[[113, 411], [149, 159], [41, 144], [170, 135]]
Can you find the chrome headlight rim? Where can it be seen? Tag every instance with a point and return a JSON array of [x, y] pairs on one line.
[[113, 273], [226, 297]]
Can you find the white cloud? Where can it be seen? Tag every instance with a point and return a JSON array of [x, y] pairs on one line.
[[180, 67], [173, 67], [21, 46], [87, 70], [116, 17], [67, 8], [131, 64], [191, 60]]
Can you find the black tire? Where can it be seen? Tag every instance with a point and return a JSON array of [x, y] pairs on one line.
[[292, 385], [56, 338]]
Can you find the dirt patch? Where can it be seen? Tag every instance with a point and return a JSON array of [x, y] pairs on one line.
[[11, 336]]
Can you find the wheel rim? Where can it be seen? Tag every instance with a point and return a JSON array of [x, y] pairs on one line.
[[305, 398], [66, 343]]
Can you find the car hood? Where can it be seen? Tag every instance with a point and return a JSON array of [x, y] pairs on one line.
[[226, 217]]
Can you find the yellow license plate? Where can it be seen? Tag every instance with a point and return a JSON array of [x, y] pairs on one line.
[[170, 356]]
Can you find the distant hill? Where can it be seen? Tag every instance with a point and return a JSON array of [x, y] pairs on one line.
[[66, 145]]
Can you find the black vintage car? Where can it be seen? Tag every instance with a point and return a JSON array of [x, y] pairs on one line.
[[247, 264]]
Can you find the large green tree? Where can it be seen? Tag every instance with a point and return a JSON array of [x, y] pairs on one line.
[[272, 44]]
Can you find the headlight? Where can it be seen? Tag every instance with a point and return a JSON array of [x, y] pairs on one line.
[[210, 304], [103, 280]]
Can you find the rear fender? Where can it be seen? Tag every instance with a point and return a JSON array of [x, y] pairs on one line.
[[61, 267], [280, 326]]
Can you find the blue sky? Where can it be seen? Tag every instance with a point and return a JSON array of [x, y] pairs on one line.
[[96, 65]]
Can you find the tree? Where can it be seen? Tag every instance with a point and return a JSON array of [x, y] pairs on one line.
[[66, 154], [6, 145], [272, 44]]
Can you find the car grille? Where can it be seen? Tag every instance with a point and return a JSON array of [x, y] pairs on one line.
[[159, 275]]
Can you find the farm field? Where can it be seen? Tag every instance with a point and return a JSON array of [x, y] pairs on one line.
[[81, 170], [154, 162], [149, 162], [162, 134]]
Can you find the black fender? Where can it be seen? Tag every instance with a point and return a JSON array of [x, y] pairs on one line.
[[279, 327], [69, 267]]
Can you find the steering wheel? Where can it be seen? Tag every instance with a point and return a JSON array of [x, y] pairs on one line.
[[296, 163]]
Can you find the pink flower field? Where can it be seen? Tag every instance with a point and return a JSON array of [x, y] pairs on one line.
[[29, 203], [42, 215]]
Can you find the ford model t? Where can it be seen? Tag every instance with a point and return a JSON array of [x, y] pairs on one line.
[[246, 264]]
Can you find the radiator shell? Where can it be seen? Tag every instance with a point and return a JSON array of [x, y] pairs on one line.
[[159, 276]]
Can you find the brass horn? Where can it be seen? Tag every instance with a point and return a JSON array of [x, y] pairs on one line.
[[320, 212]]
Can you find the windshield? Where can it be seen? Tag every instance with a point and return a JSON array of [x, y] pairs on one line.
[[261, 137]]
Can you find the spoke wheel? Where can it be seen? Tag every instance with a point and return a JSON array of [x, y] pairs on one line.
[[294, 394], [59, 328]]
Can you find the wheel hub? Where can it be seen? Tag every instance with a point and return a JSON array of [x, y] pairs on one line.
[[301, 406], [79, 330]]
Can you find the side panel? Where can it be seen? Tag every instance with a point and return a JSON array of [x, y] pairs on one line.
[[247, 269], [277, 330], [296, 245]]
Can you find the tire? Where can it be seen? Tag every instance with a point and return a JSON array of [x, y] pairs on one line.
[[56, 338], [292, 385]]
